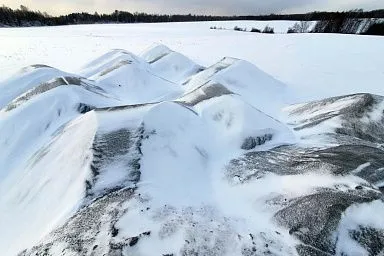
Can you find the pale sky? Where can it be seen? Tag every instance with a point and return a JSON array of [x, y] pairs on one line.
[[214, 7]]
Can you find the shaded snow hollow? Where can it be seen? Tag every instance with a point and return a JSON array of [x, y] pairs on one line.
[[157, 155]]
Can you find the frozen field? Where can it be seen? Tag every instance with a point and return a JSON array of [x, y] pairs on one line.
[[318, 65]]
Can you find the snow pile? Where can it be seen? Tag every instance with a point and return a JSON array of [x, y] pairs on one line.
[[27, 78], [358, 116], [156, 155], [256, 87], [49, 187], [170, 64], [359, 235], [122, 73]]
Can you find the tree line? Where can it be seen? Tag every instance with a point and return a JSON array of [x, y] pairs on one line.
[[25, 17]]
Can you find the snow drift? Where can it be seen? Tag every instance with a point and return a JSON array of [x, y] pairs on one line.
[[156, 155]]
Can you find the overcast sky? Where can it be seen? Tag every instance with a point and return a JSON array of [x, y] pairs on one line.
[[218, 7]]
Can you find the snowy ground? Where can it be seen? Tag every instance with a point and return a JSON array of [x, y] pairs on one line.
[[159, 153], [318, 66]]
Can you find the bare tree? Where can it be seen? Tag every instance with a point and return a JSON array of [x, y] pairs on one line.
[[300, 27], [268, 30], [304, 26]]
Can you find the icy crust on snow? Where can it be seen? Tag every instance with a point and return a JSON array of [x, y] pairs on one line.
[[156, 155]]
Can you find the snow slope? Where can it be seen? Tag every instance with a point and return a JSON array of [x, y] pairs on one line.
[[168, 63], [157, 155], [357, 115]]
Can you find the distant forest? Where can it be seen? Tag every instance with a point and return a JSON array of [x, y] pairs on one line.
[[24, 17]]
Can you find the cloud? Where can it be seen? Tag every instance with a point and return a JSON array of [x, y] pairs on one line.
[[215, 7]]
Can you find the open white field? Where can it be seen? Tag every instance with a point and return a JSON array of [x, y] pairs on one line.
[[318, 65]]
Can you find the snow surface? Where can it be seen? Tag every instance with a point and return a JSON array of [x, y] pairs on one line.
[[168, 125], [187, 143], [355, 217], [315, 65], [35, 199]]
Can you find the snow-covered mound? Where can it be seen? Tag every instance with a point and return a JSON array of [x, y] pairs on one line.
[[253, 85], [170, 64], [27, 78], [156, 155], [359, 116], [122, 73]]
